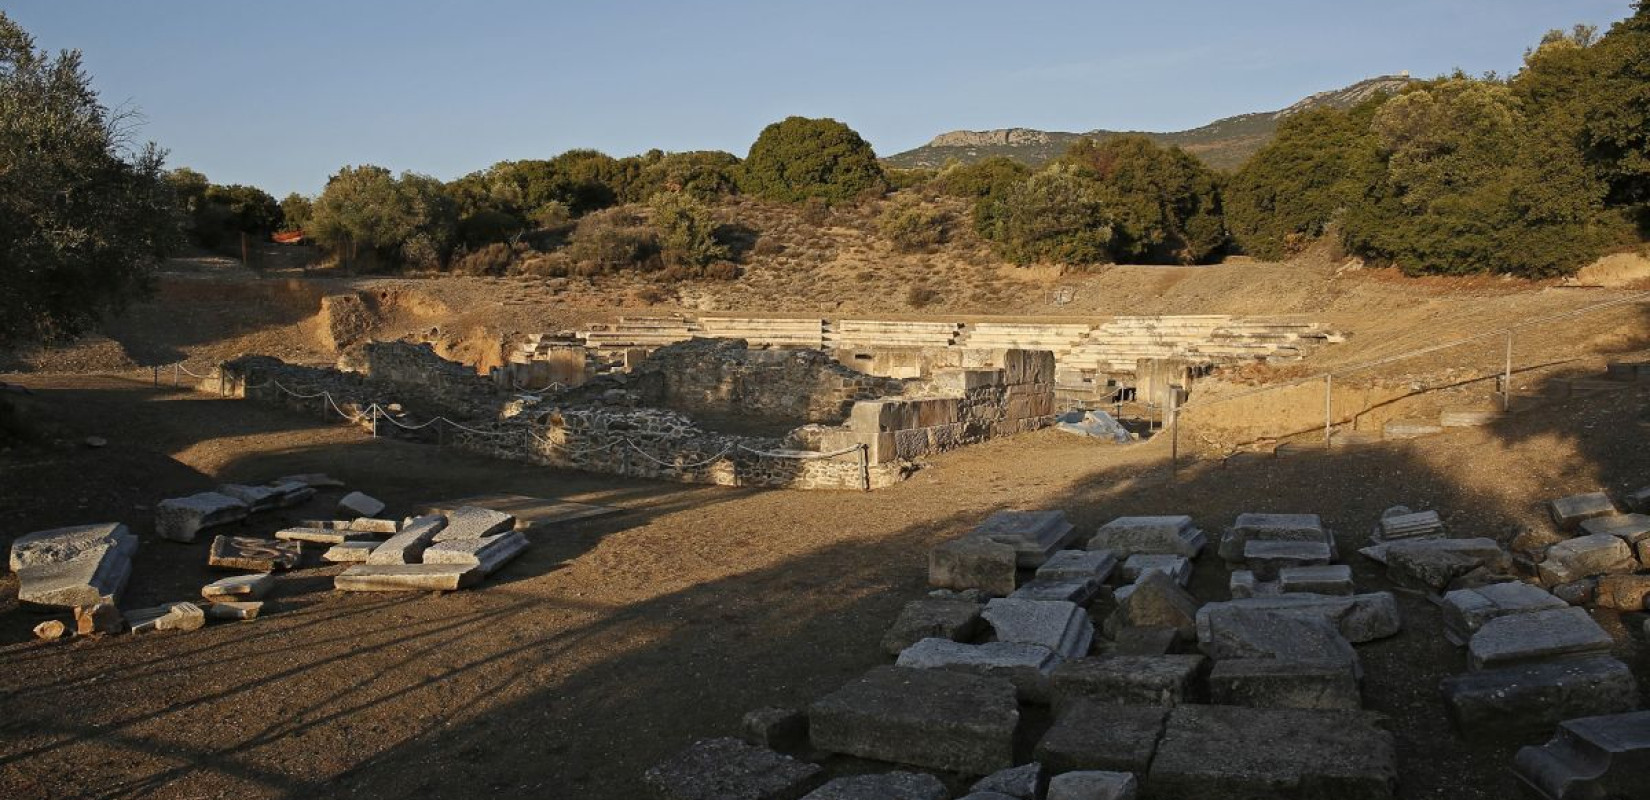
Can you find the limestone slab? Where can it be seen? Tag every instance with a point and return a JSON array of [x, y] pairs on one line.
[[1360, 617], [1022, 782], [239, 587], [1631, 528], [1168, 535], [1433, 563], [58, 545], [474, 522], [168, 617], [957, 620], [350, 552], [1233, 753], [233, 610], [1034, 535], [1155, 600], [407, 577], [1466, 610], [1094, 785], [253, 553], [257, 498], [973, 563], [1096, 736], [1271, 528], [728, 769], [1279, 683], [359, 504], [98, 564], [1177, 567], [887, 786], [182, 518], [921, 717], [1585, 557], [1085, 565], [1079, 591], [407, 546], [488, 553], [320, 535], [1246, 633], [1064, 628], [1606, 756], [1266, 558], [1161, 680], [1332, 579], [1527, 700], [1569, 512], [1536, 636], [1027, 666]]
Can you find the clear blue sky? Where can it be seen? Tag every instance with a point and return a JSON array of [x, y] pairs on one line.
[[281, 94]]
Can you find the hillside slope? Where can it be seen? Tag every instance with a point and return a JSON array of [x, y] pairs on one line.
[[1222, 144]]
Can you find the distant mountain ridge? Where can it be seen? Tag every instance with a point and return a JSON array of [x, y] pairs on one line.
[[1223, 144]]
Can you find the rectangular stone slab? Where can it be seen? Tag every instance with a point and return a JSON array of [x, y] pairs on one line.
[[1585, 557], [471, 522], [973, 563], [349, 552], [358, 504], [932, 617], [1633, 528], [1177, 567], [1417, 525], [1524, 702], [728, 769], [1071, 591], [1034, 535], [319, 535], [1466, 610], [1271, 528], [97, 575], [1246, 633], [236, 611], [1536, 636], [1062, 627], [169, 617], [1027, 666], [408, 546], [1097, 736], [1234, 753], [256, 498], [1160, 680], [406, 577], [1172, 535], [921, 717], [253, 553], [488, 553], [1569, 512], [181, 518], [239, 587], [1276, 683], [1334, 579], [66, 544], [1360, 617], [1069, 565], [1266, 558]]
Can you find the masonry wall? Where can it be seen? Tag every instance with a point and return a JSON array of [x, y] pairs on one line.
[[719, 376]]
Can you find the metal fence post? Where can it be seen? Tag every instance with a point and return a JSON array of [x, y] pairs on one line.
[[157, 376], [372, 413]]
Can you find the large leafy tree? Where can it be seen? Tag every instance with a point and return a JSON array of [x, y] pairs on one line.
[[1055, 216], [1616, 133], [82, 219], [367, 214], [1165, 203], [799, 159]]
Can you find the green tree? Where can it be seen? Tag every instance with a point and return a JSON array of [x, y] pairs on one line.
[[1164, 203], [704, 174], [82, 221], [799, 159], [295, 211], [1056, 216], [1616, 129], [367, 214], [687, 231]]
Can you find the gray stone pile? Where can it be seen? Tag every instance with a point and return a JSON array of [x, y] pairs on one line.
[[436, 552], [1594, 555]]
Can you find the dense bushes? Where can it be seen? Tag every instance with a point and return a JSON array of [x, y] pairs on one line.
[[799, 159], [911, 224], [216, 216], [371, 219], [1055, 215], [1289, 193]]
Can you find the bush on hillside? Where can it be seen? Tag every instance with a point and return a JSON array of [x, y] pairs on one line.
[[1164, 203], [799, 159], [612, 240], [1053, 216], [687, 231], [911, 224]]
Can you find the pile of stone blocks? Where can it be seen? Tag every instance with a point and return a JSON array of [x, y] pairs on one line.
[[989, 557], [437, 552], [1595, 555]]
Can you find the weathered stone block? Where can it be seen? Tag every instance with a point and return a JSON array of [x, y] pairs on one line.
[[320, 535], [73, 567], [1592, 757], [1433, 563], [1408, 525], [1163, 680], [407, 577], [1156, 600], [957, 620], [888, 786], [1585, 557], [1088, 565], [1360, 617], [1034, 535], [728, 769], [1147, 640], [239, 587], [472, 522], [1022, 782], [1063, 628], [1266, 558], [1536, 636], [1334, 579], [1527, 700], [1244, 633], [1094, 785], [1569, 512], [1177, 567], [231, 610], [181, 518], [1231, 753], [1027, 666], [66, 544], [1278, 683], [783, 729], [973, 563], [1631, 528], [1624, 592], [1089, 735], [99, 618], [257, 498], [1271, 528], [358, 504], [253, 553], [487, 554], [349, 552], [1172, 535], [169, 617], [408, 546], [1466, 610], [927, 718], [1071, 591]]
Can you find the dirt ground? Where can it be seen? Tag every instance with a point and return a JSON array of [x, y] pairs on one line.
[[613, 642]]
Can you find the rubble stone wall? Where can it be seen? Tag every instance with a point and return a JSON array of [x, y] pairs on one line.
[[723, 376]]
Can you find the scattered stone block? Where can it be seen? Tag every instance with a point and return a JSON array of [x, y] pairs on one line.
[[1409, 429], [50, 630], [1027, 666], [888, 786], [1022, 782], [1147, 640], [1094, 785], [783, 729], [258, 499], [72, 567], [1250, 633], [1333, 579], [1272, 528], [1063, 628], [1624, 592], [973, 563], [1577, 593], [1232, 753], [487, 553], [1536, 636], [314, 480], [1266, 558], [239, 587], [182, 518], [474, 522], [1360, 617], [169, 617], [728, 769], [1631, 528], [1527, 700], [1078, 565], [292, 493], [1034, 535], [1278, 683], [1156, 601], [1242, 585], [1586, 557], [407, 577], [1638, 500], [349, 552], [1071, 591], [1591, 757], [98, 618], [957, 620], [357, 504], [320, 535], [233, 610], [1095, 736], [1126, 536], [1466, 610], [1177, 567], [922, 717], [407, 546], [253, 553], [1433, 564], [1408, 525], [1569, 512], [1161, 680]]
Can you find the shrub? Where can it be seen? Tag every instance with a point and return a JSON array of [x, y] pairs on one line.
[[612, 240], [491, 259], [912, 224], [1165, 204], [1054, 215], [368, 211], [801, 159], [921, 296], [687, 232]]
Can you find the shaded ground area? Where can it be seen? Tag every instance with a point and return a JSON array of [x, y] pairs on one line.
[[614, 642]]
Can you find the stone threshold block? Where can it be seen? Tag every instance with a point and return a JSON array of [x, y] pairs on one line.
[[1272, 528], [168, 617], [1631, 528], [407, 546], [1034, 535], [728, 769], [1466, 610], [956, 620], [1591, 757], [972, 563], [321, 535], [1126, 536], [1585, 557], [1070, 591], [1266, 559], [1536, 636], [73, 567], [1177, 567], [474, 522], [1246, 633], [1278, 683], [1360, 617], [921, 717], [349, 552], [407, 577], [1096, 736], [1163, 680], [1414, 525], [488, 553], [1526, 701], [1232, 753], [358, 504], [181, 518], [253, 553], [1078, 565], [239, 587], [1064, 628], [888, 786], [1569, 512], [1027, 666]]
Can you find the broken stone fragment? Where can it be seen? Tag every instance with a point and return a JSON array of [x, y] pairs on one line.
[[408, 546], [349, 552], [474, 522], [1094, 785], [1466, 610], [50, 630], [1432, 564], [239, 587], [1177, 567], [1590, 757], [72, 567], [973, 563], [257, 498], [1360, 617], [320, 535], [1624, 592], [728, 769], [1022, 782], [1126, 536], [64, 544], [357, 504], [888, 786], [1155, 601], [1569, 512], [407, 577], [253, 553], [1536, 636], [957, 620], [1063, 628], [98, 618], [1586, 557], [782, 729], [181, 518], [169, 617], [230, 610]]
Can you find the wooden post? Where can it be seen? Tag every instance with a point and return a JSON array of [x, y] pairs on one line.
[[372, 413], [177, 379], [1506, 377], [1328, 406], [1174, 434], [865, 466], [156, 368]]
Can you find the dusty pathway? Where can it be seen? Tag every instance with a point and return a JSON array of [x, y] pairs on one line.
[[615, 641]]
